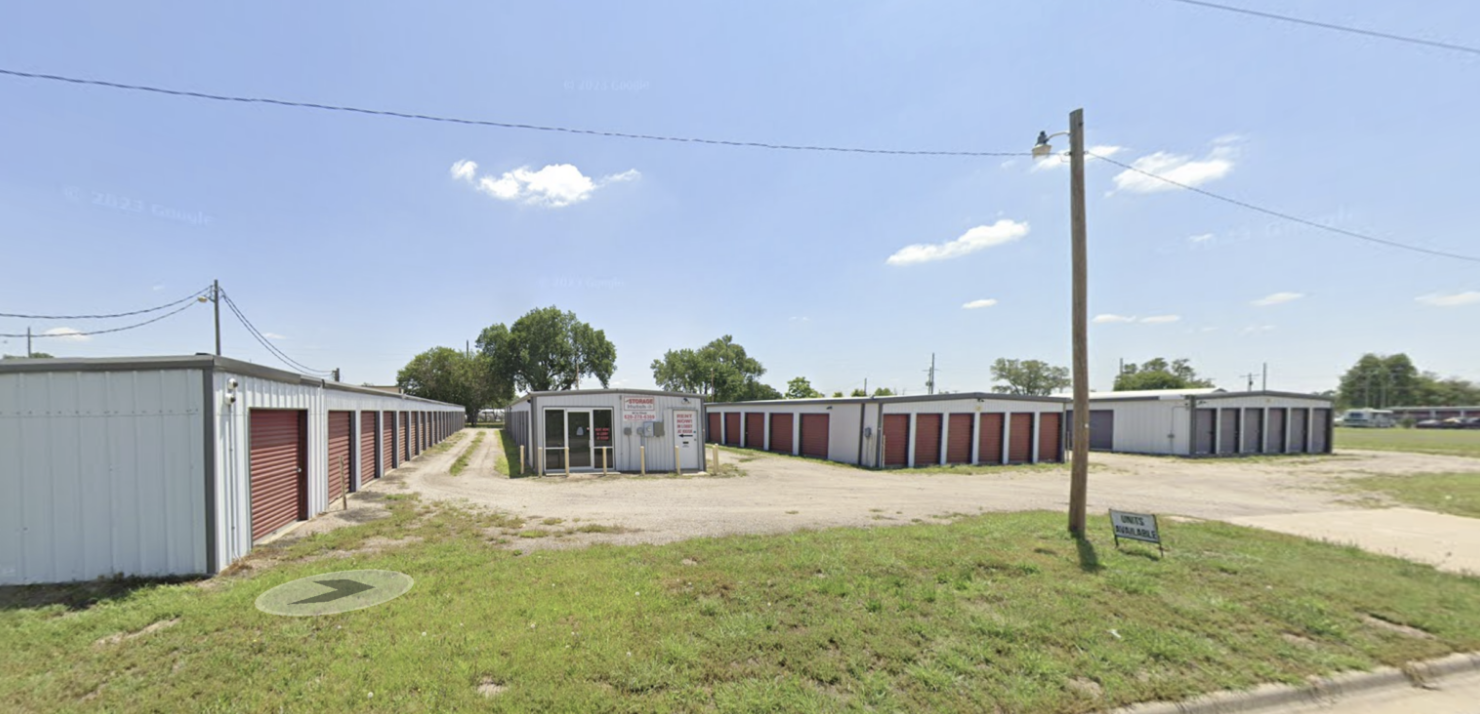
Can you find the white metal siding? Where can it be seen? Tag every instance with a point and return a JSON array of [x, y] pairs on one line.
[[101, 473], [1163, 426], [628, 457]]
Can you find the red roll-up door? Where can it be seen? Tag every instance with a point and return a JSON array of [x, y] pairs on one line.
[[387, 441], [732, 428], [279, 489], [1020, 445], [1050, 431], [781, 433], [341, 440], [958, 446], [415, 442], [896, 439], [814, 435], [989, 440], [367, 447], [403, 436], [712, 434], [755, 431], [927, 439]]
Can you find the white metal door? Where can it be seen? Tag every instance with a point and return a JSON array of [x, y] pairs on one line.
[[686, 434]]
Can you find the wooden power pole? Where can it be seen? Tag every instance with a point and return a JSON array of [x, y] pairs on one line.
[[1079, 469]]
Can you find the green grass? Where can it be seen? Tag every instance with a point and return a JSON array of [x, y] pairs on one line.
[[1451, 442], [743, 455], [1457, 494], [507, 455], [462, 459], [992, 613], [444, 445]]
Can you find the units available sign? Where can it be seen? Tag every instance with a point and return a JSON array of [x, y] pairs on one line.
[[639, 408], [1135, 526]]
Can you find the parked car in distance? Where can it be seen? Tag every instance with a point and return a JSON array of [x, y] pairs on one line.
[[1429, 424], [1469, 423]]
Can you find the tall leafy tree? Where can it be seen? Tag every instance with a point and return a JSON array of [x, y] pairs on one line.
[[1157, 373], [548, 350], [800, 388], [721, 369], [1379, 381], [449, 375], [1029, 377]]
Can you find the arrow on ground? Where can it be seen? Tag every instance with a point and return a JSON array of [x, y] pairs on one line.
[[341, 589]]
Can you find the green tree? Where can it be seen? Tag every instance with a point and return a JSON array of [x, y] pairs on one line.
[[34, 355], [1029, 377], [548, 350], [858, 392], [800, 388], [837, 394], [1379, 381], [721, 369], [883, 392], [1159, 374], [449, 375]]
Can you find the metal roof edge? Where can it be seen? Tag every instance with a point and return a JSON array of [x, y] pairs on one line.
[[902, 399], [579, 392]]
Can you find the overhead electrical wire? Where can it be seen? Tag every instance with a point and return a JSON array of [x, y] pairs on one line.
[[1286, 216], [1332, 26], [498, 124], [90, 333], [266, 344], [157, 308]]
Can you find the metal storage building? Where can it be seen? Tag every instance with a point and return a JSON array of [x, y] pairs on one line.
[[162, 466], [1209, 422], [900, 431], [621, 429]]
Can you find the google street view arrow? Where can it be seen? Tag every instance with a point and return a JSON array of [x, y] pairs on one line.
[[346, 590], [339, 589]]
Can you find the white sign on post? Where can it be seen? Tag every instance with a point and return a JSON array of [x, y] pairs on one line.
[[1135, 526], [639, 409]]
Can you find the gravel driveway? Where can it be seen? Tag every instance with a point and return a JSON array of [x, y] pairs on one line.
[[781, 494]]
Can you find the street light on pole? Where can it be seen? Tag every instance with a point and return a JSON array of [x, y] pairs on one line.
[[1079, 429]]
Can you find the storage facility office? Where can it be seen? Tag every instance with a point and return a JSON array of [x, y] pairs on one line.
[[177, 465], [613, 429], [1210, 422], [898, 431]]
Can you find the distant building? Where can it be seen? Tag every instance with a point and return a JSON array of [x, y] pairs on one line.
[[1421, 413]]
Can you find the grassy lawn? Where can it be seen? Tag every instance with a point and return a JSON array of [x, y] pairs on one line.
[[445, 444], [1452, 442], [1457, 494], [462, 459], [994, 612], [507, 455]]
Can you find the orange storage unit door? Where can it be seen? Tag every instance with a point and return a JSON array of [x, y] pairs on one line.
[[814, 435], [1050, 431], [403, 436], [989, 439], [279, 487], [712, 434], [781, 425], [341, 441], [388, 441], [755, 431], [927, 439], [732, 428], [367, 447], [896, 439], [1020, 446], [958, 446]]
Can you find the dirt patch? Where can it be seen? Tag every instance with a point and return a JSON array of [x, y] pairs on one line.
[[490, 688], [1381, 624], [125, 636], [1298, 640], [1086, 687]]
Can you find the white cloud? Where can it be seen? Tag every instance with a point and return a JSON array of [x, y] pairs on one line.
[[1113, 318], [1060, 158], [158, 287], [464, 170], [1276, 299], [978, 304], [799, 318], [67, 334], [1200, 238], [1160, 319], [1252, 329], [554, 186], [1455, 300], [1177, 167], [273, 336], [978, 238]]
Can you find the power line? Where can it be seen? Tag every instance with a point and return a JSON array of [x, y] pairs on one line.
[[262, 339], [1288, 217], [498, 124], [1332, 26], [188, 298], [181, 309]]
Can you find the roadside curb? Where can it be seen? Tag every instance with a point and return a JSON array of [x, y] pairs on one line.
[[1317, 691]]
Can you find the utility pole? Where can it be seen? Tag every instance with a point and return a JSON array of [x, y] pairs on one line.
[[930, 384], [1264, 382], [468, 349], [1079, 469], [216, 298], [865, 386], [28, 341], [336, 374], [1251, 381]]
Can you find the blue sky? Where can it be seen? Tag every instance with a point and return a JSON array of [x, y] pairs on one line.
[[360, 241]]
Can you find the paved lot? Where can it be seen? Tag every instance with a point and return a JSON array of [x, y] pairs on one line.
[[1448, 542], [780, 494]]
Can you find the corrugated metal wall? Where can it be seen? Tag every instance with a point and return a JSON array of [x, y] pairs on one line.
[[101, 473], [659, 450]]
